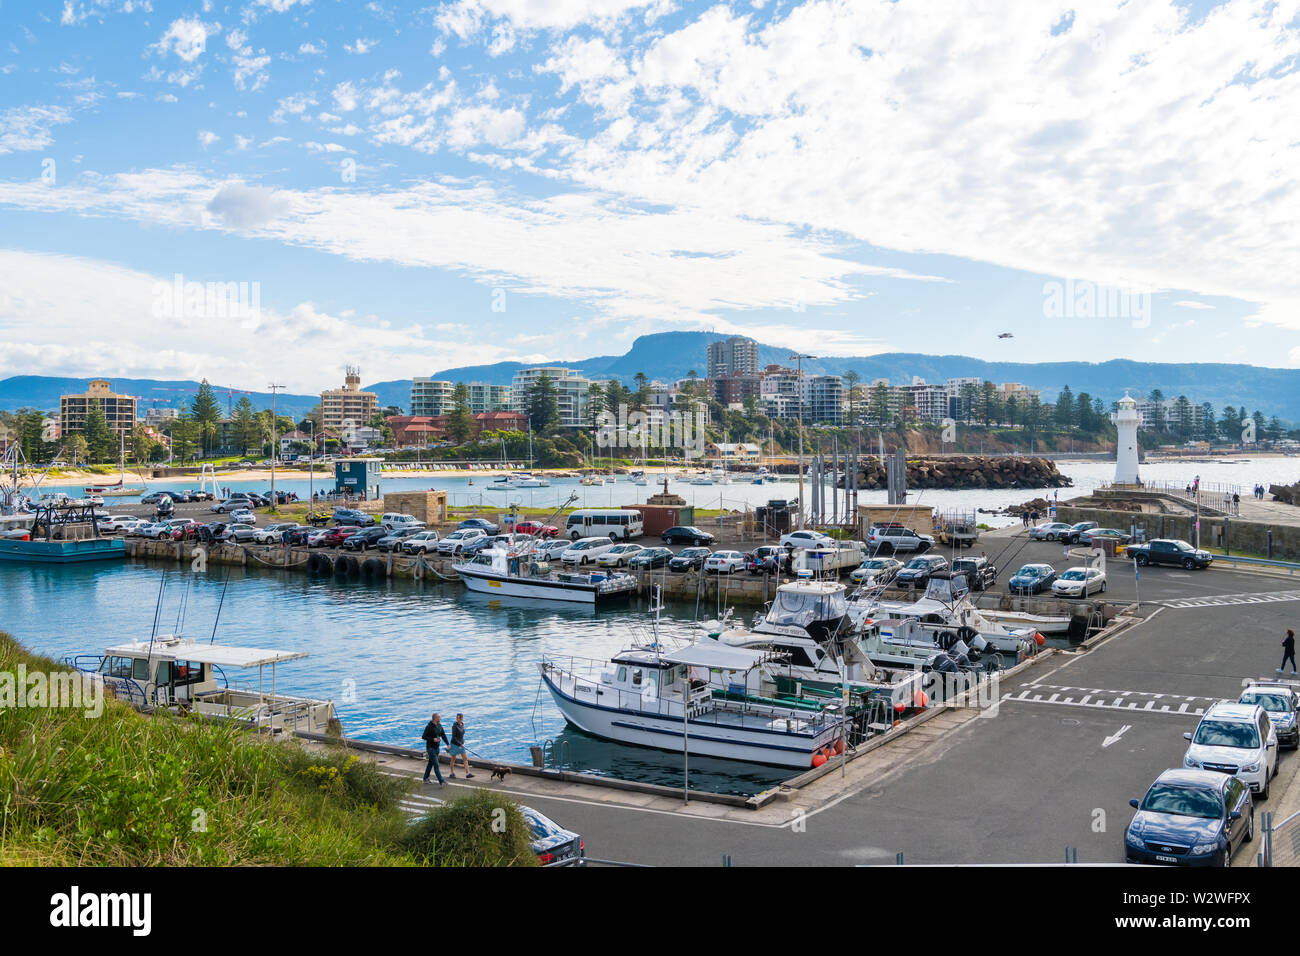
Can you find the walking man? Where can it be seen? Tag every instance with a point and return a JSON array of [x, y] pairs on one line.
[[434, 737], [458, 746], [1288, 651]]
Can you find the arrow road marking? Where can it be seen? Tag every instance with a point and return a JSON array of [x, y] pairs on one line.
[[1115, 736]]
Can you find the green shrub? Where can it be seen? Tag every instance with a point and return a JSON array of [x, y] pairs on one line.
[[481, 829]]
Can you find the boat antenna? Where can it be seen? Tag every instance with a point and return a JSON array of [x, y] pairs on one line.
[[162, 586], [180, 611], [220, 605]]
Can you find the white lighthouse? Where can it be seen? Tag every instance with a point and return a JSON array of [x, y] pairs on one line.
[[1126, 448]]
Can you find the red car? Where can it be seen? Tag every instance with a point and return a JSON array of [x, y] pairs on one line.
[[537, 529], [333, 537]]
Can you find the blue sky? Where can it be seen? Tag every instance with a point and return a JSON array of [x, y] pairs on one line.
[[476, 180]]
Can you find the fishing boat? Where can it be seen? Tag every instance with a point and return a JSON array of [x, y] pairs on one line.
[[816, 650], [701, 479], [651, 697], [181, 675], [58, 532], [945, 608], [119, 489], [524, 574]]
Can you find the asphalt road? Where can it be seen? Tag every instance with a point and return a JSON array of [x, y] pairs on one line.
[[1026, 784]]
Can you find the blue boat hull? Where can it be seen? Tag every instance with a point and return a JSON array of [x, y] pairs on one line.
[[62, 552]]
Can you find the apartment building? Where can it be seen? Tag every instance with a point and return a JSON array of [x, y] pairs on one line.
[[347, 404], [571, 390], [734, 356], [119, 410]]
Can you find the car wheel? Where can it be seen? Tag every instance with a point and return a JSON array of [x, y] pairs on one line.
[[1263, 791], [1189, 564], [1052, 536], [1250, 827], [1103, 587], [575, 536], [1142, 560]]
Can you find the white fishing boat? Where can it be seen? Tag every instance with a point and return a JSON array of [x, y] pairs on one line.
[[181, 675], [815, 649], [945, 608], [523, 574], [666, 700], [701, 479]]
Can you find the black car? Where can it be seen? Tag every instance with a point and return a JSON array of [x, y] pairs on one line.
[[650, 558], [916, 573], [687, 534], [1190, 818], [353, 518], [689, 559], [981, 574], [1164, 551], [365, 539], [482, 524]]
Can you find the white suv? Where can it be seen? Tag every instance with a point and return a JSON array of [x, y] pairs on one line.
[[395, 521], [585, 550], [807, 538], [454, 542], [1236, 739], [891, 538]]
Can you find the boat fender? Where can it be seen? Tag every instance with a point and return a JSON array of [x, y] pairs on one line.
[[818, 759], [921, 700], [1039, 639]]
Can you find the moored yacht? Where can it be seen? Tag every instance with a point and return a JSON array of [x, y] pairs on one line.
[[524, 574]]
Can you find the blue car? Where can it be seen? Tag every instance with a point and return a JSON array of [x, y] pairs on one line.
[[1032, 579], [481, 524], [1190, 818]]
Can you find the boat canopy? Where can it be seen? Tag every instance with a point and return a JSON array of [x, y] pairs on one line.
[[716, 656], [222, 655], [803, 603]]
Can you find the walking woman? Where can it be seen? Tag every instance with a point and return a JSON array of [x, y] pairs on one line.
[[1288, 651]]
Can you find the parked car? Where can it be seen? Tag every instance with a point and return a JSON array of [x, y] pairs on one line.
[[1169, 551], [1032, 579], [764, 560], [353, 517], [724, 562], [687, 534], [551, 548], [1097, 535], [892, 538], [111, 524], [876, 571], [455, 542], [552, 844], [506, 541], [619, 555], [916, 573], [421, 542], [239, 534], [154, 497], [1281, 703], [243, 516], [806, 538], [1190, 818], [480, 524], [1071, 534], [585, 550], [394, 520], [300, 535], [273, 533], [365, 539], [1079, 582], [689, 559], [537, 529], [239, 503], [981, 573], [393, 540], [650, 558], [331, 537], [1237, 740], [1048, 532]]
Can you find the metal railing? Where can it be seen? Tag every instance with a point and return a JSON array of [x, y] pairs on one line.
[[1281, 841], [1289, 566]]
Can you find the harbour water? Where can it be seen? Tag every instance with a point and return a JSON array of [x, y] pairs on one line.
[[390, 652]]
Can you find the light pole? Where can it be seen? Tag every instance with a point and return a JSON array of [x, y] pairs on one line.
[[311, 465], [275, 451], [799, 384]]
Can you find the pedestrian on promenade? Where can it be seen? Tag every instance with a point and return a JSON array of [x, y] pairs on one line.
[[1236, 503], [434, 737], [1288, 651], [458, 746]]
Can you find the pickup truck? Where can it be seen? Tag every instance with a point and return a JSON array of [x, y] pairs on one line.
[[1165, 551]]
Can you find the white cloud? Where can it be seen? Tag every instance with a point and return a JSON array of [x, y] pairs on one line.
[[207, 138], [361, 46], [1191, 304], [186, 37], [25, 128], [466, 18], [246, 207], [312, 48], [67, 316]]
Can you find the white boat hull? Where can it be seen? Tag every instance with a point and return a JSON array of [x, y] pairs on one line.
[[701, 738], [541, 590]]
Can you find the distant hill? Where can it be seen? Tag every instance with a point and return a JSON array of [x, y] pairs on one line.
[[42, 391], [672, 355], [669, 356]]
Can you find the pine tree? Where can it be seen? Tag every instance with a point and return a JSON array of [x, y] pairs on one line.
[[101, 440], [460, 424], [1065, 410], [543, 405], [206, 414], [245, 429]]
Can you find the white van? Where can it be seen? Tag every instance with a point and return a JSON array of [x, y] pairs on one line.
[[396, 521], [616, 524]]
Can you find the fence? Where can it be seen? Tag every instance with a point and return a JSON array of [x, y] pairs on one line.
[[1281, 841], [1212, 495]]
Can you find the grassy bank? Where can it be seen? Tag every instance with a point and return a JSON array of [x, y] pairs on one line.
[[127, 789]]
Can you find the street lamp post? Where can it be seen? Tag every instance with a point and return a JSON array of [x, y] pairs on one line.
[[275, 451], [799, 384]]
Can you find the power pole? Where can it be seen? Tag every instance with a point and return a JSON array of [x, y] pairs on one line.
[[799, 384], [275, 449]]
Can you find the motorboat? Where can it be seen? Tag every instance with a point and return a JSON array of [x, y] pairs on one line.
[[177, 674], [523, 574], [653, 697]]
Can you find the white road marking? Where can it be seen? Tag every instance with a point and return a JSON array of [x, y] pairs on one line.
[[1113, 738], [1229, 600]]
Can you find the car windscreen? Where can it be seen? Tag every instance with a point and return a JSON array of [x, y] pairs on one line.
[[1072, 576], [1227, 733], [1185, 801], [1270, 702]]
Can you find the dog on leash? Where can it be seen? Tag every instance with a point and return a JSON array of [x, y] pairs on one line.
[[499, 773]]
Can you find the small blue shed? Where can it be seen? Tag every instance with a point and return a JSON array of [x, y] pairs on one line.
[[355, 476]]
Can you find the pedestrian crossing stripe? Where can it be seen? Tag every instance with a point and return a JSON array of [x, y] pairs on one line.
[[1177, 705], [1228, 600]]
